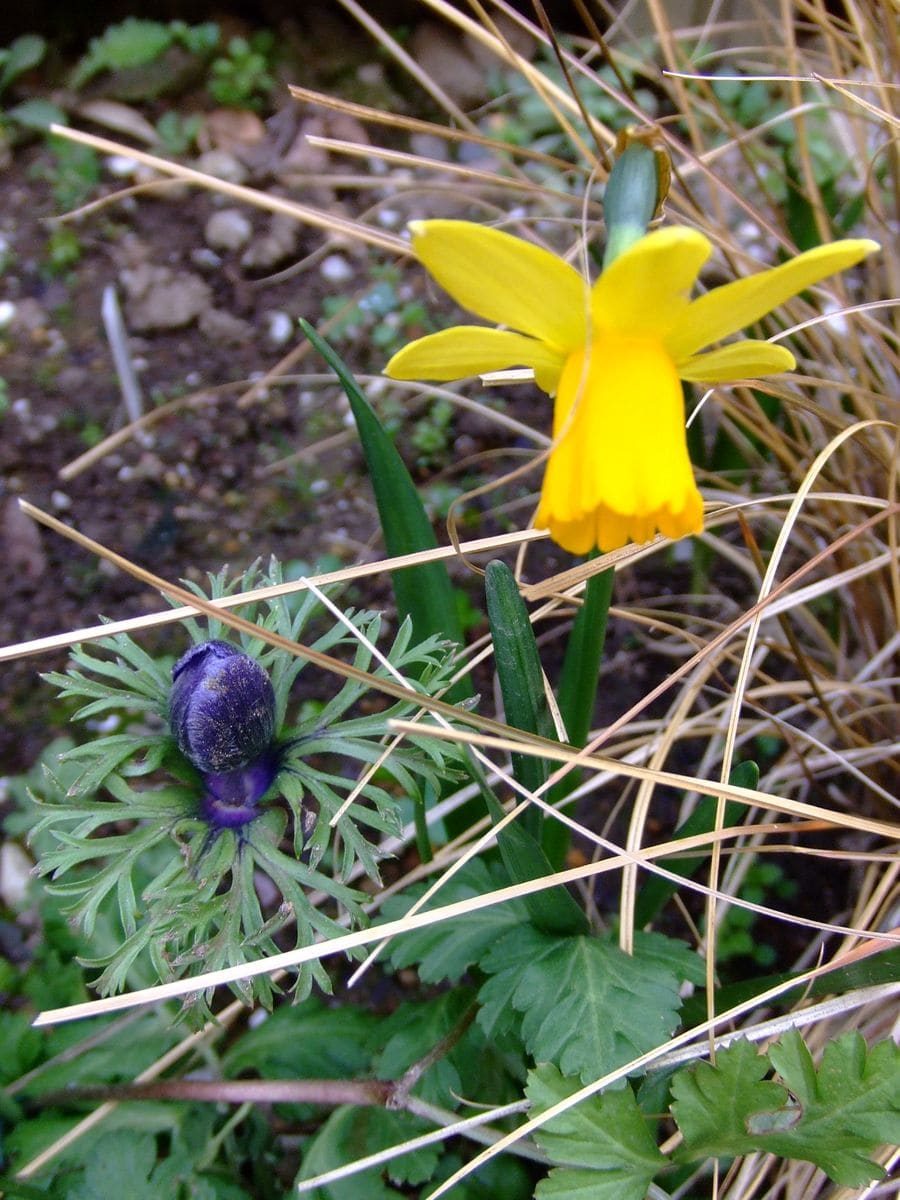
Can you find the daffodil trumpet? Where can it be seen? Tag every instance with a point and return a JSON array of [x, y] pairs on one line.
[[613, 355]]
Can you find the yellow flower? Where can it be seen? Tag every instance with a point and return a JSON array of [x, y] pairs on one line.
[[612, 354]]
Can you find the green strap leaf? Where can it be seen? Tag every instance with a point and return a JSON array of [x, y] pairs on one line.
[[578, 693], [520, 675], [553, 911], [522, 685], [424, 592]]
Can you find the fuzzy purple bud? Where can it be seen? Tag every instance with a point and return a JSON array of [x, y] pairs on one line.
[[222, 709], [231, 798]]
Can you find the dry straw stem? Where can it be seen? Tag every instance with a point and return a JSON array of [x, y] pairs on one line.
[[90, 633], [318, 218], [364, 937]]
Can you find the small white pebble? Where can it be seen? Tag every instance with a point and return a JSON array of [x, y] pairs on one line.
[[389, 218], [748, 231], [319, 487], [205, 258], [281, 327], [7, 313], [15, 874], [370, 73], [229, 229], [60, 501], [120, 166], [336, 269], [21, 408], [107, 724]]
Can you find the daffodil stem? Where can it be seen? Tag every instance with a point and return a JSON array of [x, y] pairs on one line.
[[578, 691]]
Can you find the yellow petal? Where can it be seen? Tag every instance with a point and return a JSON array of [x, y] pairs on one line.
[[740, 360], [619, 467], [469, 350], [736, 305], [646, 289], [505, 279]]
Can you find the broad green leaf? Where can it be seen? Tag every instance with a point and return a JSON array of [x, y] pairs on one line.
[[24, 53], [448, 950], [585, 1005], [603, 1149], [412, 1032], [503, 1178], [37, 113], [305, 1041], [119, 1165], [353, 1132], [835, 1117], [423, 592]]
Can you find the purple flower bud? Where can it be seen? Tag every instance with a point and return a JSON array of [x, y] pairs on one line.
[[222, 709], [231, 798]]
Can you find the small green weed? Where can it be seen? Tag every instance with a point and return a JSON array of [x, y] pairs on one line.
[[64, 249], [136, 42], [242, 78], [73, 172], [177, 134]]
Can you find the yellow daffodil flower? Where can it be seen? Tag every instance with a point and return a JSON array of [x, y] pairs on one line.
[[612, 355]]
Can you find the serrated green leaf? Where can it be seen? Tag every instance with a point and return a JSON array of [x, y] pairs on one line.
[[848, 1108], [712, 1104], [585, 1004], [448, 950], [604, 1148], [835, 1118]]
